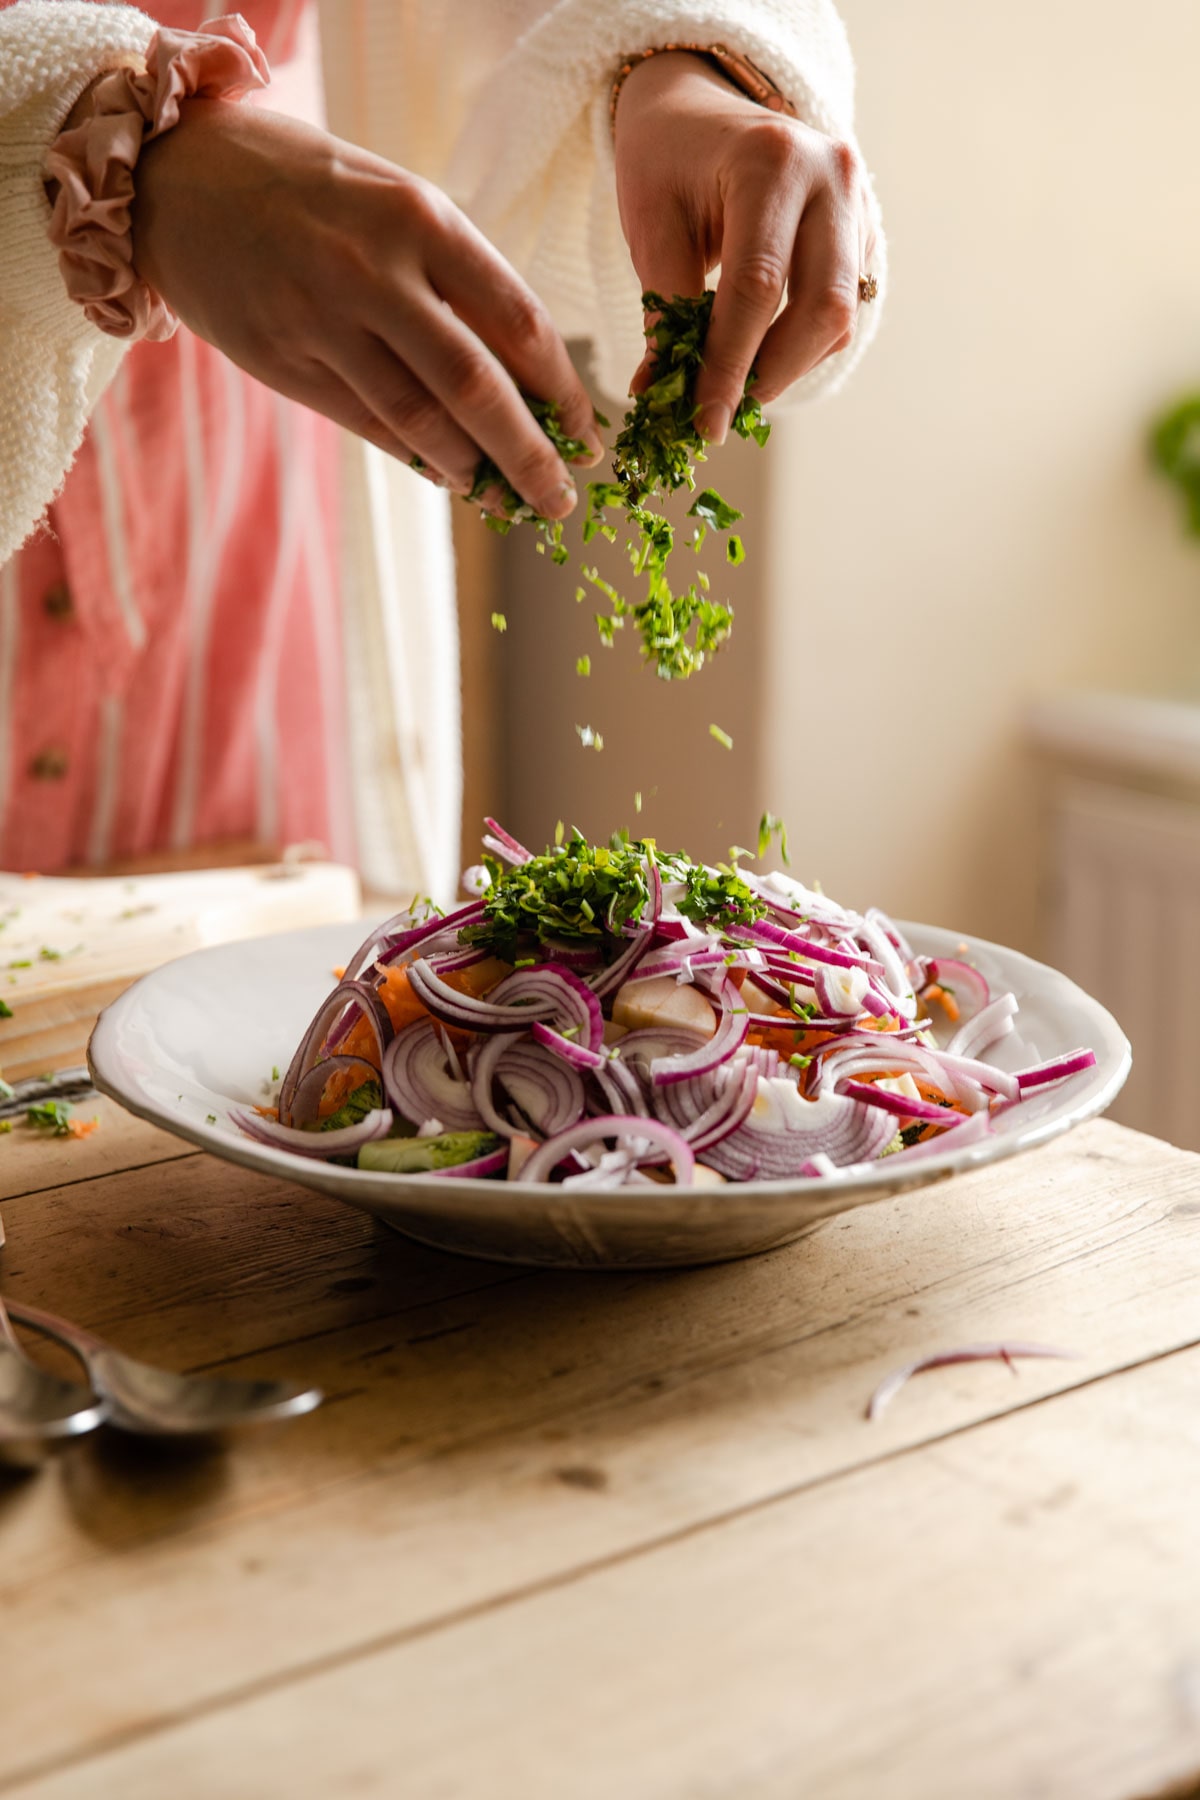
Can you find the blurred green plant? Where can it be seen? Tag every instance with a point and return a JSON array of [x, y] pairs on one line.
[[1175, 448]]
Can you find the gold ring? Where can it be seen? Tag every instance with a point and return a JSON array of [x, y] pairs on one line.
[[868, 287]]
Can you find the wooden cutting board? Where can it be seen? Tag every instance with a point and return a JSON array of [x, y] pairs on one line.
[[69, 947]]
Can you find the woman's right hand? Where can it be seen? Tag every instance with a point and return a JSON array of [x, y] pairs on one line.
[[360, 291]]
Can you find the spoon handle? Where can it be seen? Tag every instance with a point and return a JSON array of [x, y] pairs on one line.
[[75, 1337], [7, 1334]]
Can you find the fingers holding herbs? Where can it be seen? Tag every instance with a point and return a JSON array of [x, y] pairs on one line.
[[705, 176], [361, 291]]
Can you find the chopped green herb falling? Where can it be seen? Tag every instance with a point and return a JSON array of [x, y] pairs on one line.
[[655, 455]]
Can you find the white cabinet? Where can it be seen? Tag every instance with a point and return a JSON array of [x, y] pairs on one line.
[[1120, 885]]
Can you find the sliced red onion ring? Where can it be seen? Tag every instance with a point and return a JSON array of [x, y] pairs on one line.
[[764, 932], [841, 992], [1056, 1069], [680, 959], [891, 932], [329, 1026], [651, 1041], [450, 962], [900, 1106], [731, 1031], [971, 1131], [574, 1003], [422, 1082], [548, 1091], [886, 1053], [621, 1089], [445, 1002], [708, 1109], [504, 845], [370, 1007], [614, 1169], [897, 986], [581, 1056], [306, 1101], [818, 1165], [965, 985], [986, 1028], [400, 934], [631, 1132], [968, 1069], [784, 1131], [321, 1144]]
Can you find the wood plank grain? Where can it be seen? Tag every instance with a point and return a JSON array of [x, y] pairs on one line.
[[71, 947], [502, 1439], [32, 1160], [1010, 1614], [193, 1262]]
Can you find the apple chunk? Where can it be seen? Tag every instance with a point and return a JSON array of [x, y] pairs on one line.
[[661, 1000]]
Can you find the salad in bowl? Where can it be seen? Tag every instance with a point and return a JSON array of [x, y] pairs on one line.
[[620, 1017]]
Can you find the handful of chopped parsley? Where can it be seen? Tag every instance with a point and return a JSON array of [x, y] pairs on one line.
[[654, 456], [579, 892]]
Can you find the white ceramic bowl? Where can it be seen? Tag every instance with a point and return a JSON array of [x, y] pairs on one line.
[[203, 1034]]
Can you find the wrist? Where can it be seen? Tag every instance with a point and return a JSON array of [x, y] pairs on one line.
[[95, 157], [664, 69]]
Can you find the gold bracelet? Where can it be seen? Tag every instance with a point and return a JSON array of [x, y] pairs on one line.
[[737, 68]]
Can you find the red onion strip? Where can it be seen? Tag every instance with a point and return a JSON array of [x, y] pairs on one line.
[[633, 1132], [312, 1143], [1057, 1069], [891, 1384]]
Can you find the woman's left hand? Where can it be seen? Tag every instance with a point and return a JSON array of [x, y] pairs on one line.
[[705, 176]]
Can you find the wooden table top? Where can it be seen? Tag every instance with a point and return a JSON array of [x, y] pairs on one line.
[[618, 1536]]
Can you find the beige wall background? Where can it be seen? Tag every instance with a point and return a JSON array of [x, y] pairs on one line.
[[971, 524]]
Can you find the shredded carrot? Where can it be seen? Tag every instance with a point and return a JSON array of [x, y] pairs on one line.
[[946, 1001], [788, 1040], [340, 1086], [81, 1128], [267, 1112], [402, 1004]]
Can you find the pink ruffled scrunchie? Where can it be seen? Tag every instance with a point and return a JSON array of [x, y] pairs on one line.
[[90, 225]]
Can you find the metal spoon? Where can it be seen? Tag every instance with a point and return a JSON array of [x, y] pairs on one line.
[[155, 1402], [38, 1409]]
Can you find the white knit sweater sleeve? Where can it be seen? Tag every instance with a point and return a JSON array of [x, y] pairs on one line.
[[533, 162], [53, 363]]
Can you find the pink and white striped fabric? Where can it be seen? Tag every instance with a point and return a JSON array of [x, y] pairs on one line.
[[170, 648]]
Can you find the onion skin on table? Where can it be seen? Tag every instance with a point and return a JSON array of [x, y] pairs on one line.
[[891, 1384]]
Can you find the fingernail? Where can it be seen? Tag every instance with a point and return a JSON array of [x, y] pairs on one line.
[[562, 501], [716, 423]]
